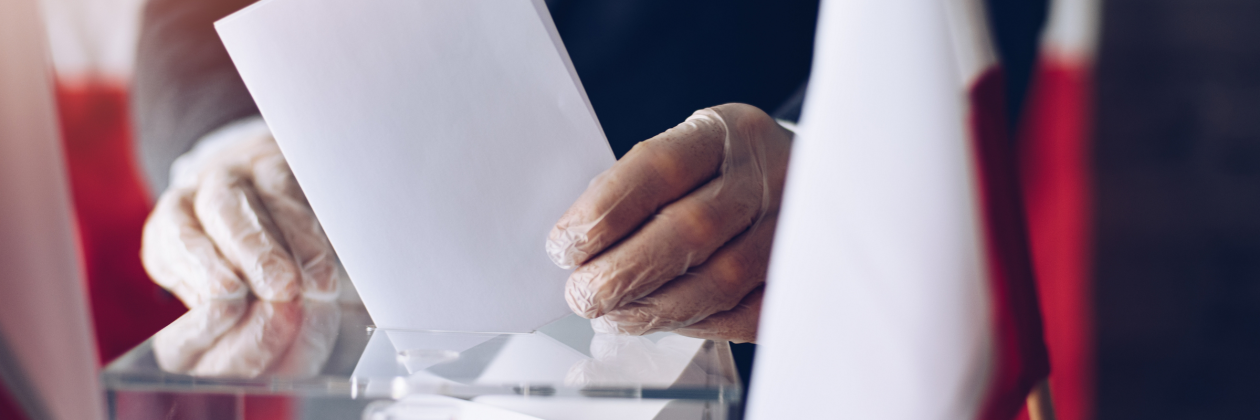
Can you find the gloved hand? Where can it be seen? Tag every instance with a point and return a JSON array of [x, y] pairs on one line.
[[676, 235], [234, 221], [245, 338]]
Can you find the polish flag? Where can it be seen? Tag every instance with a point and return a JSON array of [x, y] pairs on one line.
[[93, 45], [47, 356], [900, 285], [1054, 144]]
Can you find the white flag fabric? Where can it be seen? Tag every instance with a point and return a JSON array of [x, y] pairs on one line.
[[49, 359], [899, 286]]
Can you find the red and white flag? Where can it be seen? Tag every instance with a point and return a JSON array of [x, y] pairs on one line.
[[1054, 144], [900, 285], [93, 46], [47, 355]]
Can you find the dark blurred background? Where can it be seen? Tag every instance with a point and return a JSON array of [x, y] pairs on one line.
[[1177, 165]]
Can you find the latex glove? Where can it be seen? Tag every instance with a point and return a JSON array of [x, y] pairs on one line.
[[245, 338], [233, 221], [677, 234]]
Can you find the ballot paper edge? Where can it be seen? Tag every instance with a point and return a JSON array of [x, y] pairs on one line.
[[544, 14]]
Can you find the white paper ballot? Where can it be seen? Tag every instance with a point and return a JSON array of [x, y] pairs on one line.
[[438, 141]]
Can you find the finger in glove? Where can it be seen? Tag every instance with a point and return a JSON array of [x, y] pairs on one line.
[[654, 173], [738, 325], [686, 232], [179, 256], [683, 235], [244, 232], [293, 217], [716, 286]]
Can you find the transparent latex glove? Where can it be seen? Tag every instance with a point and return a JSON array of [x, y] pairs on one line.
[[234, 221], [676, 235], [245, 338]]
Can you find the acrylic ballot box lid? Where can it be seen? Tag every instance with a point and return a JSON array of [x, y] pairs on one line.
[[315, 360]]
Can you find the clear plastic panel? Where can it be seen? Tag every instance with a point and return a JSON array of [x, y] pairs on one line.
[[328, 354]]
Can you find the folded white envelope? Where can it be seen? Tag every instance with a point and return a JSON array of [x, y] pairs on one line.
[[437, 140]]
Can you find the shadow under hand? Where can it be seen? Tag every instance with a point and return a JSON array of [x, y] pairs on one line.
[[249, 338]]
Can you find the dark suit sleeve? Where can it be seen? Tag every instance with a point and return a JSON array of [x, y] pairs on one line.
[[185, 85]]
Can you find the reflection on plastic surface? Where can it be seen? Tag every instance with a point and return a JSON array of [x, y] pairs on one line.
[[316, 351], [247, 338], [622, 359], [436, 359], [605, 408], [433, 407], [419, 359]]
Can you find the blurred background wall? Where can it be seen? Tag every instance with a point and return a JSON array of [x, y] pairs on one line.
[[1177, 167]]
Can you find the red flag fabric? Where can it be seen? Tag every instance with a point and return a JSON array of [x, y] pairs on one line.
[[1022, 359], [1054, 143], [92, 46], [111, 203]]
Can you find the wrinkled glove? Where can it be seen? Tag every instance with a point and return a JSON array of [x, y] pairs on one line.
[[245, 338], [234, 221], [677, 234]]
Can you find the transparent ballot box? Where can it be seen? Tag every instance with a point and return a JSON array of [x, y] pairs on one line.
[[321, 360]]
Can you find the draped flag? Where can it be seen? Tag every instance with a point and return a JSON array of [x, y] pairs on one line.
[[47, 360], [900, 285], [93, 45], [1054, 144]]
